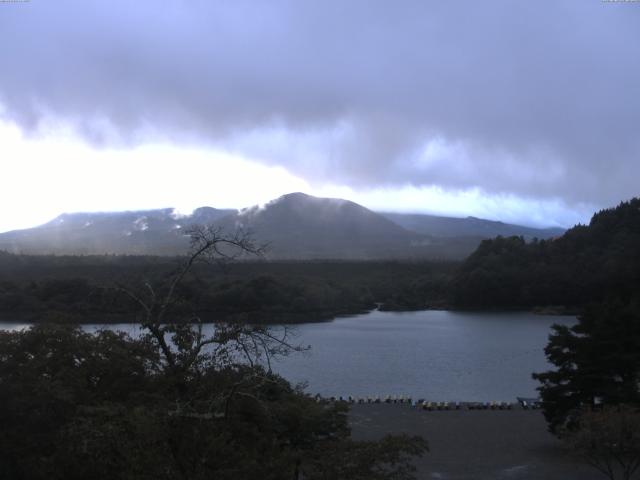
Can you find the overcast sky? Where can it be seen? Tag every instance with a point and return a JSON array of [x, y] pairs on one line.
[[523, 111]]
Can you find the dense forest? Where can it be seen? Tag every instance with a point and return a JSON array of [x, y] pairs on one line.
[[85, 288], [587, 264]]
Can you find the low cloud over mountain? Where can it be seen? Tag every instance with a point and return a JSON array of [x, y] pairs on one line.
[[295, 226]]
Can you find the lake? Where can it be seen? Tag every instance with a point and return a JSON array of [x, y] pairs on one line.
[[438, 355]]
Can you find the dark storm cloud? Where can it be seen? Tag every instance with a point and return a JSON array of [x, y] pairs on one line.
[[540, 99]]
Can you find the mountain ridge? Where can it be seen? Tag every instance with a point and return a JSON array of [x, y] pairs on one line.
[[439, 225], [297, 225]]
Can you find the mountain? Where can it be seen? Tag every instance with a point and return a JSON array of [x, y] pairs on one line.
[[301, 226], [296, 226], [136, 232], [438, 226]]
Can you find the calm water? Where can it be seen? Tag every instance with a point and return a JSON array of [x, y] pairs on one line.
[[438, 355]]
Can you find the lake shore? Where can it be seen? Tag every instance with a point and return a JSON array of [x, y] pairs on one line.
[[256, 317], [475, 444]]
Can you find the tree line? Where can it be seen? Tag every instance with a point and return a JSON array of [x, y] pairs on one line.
[[73, 289], [588, 263]]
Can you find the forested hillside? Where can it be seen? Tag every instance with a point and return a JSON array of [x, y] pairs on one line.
[[586, 264]]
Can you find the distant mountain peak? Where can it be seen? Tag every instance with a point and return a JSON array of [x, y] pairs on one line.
[[296, 225], [299, 197], [295, 203], [202, 211], [293, 196]]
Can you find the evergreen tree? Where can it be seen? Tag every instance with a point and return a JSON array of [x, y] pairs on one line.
[[597, 362]]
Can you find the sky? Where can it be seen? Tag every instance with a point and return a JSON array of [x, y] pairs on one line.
[[520, 111]]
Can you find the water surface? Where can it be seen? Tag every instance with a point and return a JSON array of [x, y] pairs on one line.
[[440, 355]]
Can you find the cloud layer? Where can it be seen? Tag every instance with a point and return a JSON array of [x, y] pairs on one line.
[[532, 99]]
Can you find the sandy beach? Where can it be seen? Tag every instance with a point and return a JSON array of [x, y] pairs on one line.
[[475, 444]]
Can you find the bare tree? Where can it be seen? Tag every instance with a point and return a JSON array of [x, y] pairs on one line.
[[609, 440], [185, 348]]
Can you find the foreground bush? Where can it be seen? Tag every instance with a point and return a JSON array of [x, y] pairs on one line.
[[75, 405]]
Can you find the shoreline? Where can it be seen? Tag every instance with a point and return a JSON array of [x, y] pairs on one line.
[[286, 318]]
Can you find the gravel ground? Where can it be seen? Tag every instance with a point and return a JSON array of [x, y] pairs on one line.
[[475, 444]]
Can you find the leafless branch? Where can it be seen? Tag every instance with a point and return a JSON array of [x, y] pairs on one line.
[[208, 243]]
